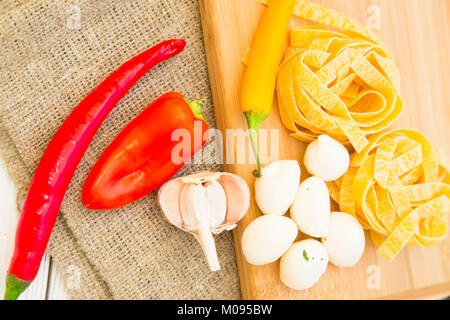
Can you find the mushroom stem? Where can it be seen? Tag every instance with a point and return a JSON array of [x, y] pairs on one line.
[[206, 240]]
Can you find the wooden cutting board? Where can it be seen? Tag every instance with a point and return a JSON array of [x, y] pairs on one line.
[[418, 34]]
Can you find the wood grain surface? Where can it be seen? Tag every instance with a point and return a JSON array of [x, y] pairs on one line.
[[417, 33]]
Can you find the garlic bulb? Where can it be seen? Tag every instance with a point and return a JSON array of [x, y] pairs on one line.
[[275, 190], [205, 203], [326, 158]]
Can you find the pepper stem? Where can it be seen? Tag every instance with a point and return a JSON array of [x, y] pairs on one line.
[[196, 107], [14, 287], [254, 121], [206, 240]]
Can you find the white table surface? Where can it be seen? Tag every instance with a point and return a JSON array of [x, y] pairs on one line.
[[48, 284]]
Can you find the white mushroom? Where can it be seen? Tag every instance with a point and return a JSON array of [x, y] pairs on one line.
[[311, 208], [203, 204], [326, 158], [266, 239], [276, 188], [345, 241], [303, 264]]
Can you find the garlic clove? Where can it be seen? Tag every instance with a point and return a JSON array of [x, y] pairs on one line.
[[311, 208], [205, 203], [345, 241], [203, 206], [267, 238], [303, 264], [202, 203], [238, 198], [275, 190], [326, 158], [169, 201]]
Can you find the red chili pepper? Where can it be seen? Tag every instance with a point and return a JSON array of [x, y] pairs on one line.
[[60, 160], [146, 153]]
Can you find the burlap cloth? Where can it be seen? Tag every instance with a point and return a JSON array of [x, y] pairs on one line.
[[53, 53]]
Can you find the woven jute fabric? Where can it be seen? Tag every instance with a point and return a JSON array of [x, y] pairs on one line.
[[53, 53]]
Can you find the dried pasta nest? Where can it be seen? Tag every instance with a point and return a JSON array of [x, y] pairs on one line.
[[398, 187], [336, 79], [337, 83]]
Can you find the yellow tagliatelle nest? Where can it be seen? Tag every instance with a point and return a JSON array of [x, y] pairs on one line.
[[337, 84], [341, 83], [398, 187]]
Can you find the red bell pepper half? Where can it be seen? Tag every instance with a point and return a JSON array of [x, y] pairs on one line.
[[146, 153]]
